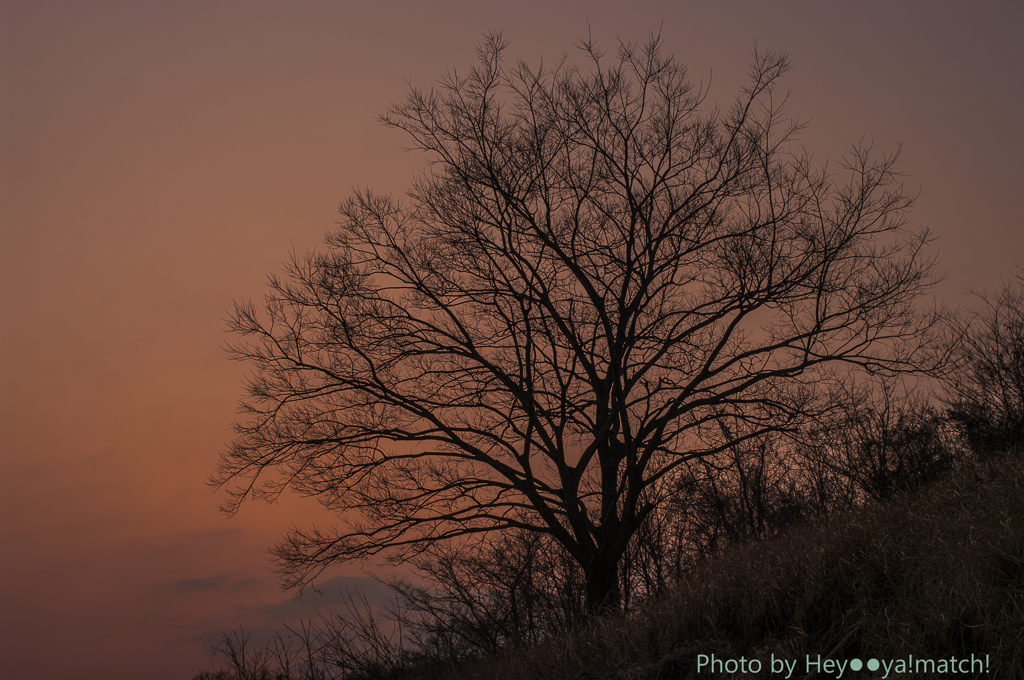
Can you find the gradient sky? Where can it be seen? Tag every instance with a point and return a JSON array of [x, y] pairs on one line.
[[159, 159]]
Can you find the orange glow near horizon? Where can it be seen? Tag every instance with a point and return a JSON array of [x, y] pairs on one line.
[[159, 159]]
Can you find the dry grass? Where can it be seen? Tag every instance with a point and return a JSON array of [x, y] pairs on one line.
[[936, 574]]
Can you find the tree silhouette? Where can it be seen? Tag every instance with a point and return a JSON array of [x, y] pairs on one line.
[[598, 278], [986, 389]]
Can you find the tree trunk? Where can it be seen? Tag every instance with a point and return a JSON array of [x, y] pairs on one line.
[[604, 590]]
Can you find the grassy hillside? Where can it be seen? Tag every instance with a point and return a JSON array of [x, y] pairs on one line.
[[933, 577]]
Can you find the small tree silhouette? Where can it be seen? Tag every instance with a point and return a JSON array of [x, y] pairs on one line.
[[986, 392], [599, 278], [885, 440]]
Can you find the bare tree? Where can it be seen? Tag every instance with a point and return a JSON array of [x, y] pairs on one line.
[[986, 394], [250, 661], [886, 439], [747, 492], [598, 278], [486, 595]]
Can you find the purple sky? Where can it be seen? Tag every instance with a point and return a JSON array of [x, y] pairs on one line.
[[159, 159]]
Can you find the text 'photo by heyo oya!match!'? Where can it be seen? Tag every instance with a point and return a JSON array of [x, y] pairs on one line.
[[840, 668]]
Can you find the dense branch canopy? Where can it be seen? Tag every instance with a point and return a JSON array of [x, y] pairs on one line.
[[599, 277]]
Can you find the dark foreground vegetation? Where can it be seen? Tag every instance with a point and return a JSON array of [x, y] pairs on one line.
[[935, 574]]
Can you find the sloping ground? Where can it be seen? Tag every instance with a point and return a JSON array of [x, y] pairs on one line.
[[926, 580]]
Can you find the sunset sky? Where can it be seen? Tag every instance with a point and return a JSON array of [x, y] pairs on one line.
[[159, 159]]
